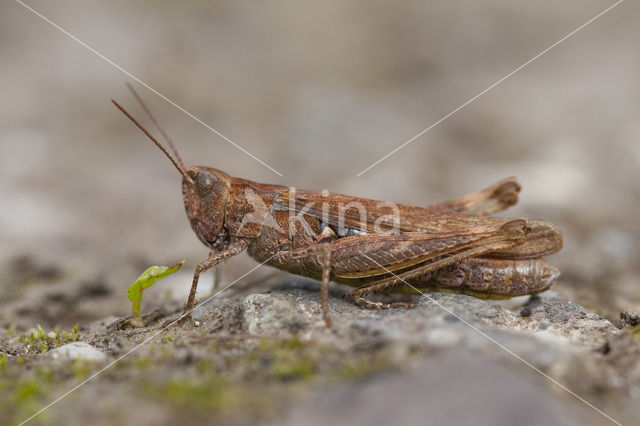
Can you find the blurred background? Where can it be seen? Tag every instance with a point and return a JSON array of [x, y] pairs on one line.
[[318, 91]]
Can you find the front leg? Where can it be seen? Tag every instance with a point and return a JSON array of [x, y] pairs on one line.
[[209, 263]]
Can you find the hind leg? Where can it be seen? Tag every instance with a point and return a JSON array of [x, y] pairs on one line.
[[358, 297], [499, 196]]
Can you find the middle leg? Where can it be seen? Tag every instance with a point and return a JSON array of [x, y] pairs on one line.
[[323, 251]]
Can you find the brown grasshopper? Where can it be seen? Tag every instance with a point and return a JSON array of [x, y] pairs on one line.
[[374, 246]]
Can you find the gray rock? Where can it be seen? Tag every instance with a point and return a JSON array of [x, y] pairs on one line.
[[77, 350], [630, 318], [453, 388], [440, 320], [486, 342], [277, 314]]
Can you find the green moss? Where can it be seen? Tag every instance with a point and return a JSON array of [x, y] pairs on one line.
[[81, 369], [355, 370], [23, 392], [301, 369], [142, 362], [364, 366], [3, 362], [205, 367], [66, 337], [287, 359], [20, 399], [272, 344], [26, 391], [211, 395], [38, 341], [44, 374]]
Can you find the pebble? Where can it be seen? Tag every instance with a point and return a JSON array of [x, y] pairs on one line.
[[77, 350]]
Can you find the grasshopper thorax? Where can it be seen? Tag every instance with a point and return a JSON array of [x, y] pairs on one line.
[[206, 194]]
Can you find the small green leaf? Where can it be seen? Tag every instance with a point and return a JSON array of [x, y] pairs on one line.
[[146, 280]]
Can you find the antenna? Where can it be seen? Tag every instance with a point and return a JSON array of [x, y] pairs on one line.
[[178, 166], [155, 122]]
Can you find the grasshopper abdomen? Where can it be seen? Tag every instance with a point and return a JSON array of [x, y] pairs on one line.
[[494, 278]]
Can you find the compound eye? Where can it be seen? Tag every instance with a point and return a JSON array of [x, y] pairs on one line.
[[205, 182]]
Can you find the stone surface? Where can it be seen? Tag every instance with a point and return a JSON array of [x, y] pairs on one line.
[[488, 357], [453, 359], [277, 314], [77, 351], [630, 318], [449, 389], [440, 319]]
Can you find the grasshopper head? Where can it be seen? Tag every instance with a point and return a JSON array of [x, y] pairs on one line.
[[206, 193], [205, 190]]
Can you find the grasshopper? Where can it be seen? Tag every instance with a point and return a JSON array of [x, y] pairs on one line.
[[371, 245]]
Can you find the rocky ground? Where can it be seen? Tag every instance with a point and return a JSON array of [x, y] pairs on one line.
[[268, 358]]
